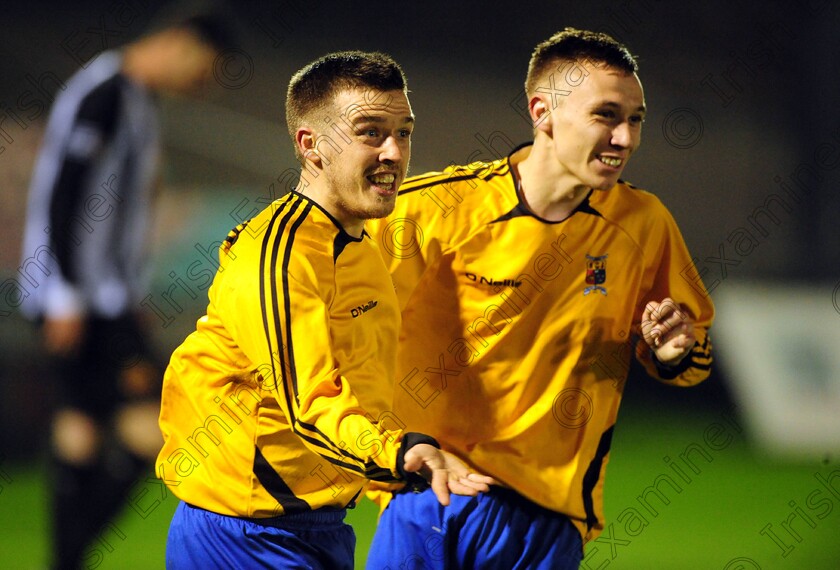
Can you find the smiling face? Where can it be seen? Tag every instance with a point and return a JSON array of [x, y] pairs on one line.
[[361, 155], [593, 129]]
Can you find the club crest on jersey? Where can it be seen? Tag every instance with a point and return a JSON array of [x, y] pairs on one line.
[[596, 274]]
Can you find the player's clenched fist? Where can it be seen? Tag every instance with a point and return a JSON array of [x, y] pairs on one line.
[[668, 330], [445, 472]]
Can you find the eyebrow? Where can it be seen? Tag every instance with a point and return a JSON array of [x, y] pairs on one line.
[[614, 105], [364, 118]]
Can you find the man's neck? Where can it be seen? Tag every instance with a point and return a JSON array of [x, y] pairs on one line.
[[323, 197], [547, 191]]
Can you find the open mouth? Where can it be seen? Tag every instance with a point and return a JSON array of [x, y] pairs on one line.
[[384, 181], [611, 161]]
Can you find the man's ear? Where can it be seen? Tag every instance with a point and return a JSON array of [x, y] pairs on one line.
[[539, 112], [305, 141]]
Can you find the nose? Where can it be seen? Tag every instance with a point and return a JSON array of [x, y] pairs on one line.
[[390, 150], [622, 136]]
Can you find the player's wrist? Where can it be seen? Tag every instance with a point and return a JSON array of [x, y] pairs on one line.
[[415, 481], [672, 368]]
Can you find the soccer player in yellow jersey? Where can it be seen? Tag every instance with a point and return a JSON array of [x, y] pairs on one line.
[[276, 410], [526, 286]]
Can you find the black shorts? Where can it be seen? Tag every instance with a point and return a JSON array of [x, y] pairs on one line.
[[93, 380]]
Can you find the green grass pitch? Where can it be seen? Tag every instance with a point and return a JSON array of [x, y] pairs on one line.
[[683, 492]]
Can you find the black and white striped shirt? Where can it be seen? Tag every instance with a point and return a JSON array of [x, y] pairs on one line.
[[90, 197]]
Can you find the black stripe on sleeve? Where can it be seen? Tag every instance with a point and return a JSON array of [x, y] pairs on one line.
[[288, 353], [704, 350], [451, 179], [287, 254], [444, 180], [287, 375], [423, 177], [273, 240], [290, 202]]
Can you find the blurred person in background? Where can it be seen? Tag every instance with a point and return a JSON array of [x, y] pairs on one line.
[[85, 242]]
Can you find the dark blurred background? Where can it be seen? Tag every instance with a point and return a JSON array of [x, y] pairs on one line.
[[741, 142]]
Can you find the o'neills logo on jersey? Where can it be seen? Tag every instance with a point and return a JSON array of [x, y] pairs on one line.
[[482, 280], [362, 309]]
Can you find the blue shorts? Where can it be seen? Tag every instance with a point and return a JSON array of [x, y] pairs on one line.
[[499, 529], [205, 540]]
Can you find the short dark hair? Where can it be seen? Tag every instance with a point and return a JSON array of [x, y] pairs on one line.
[[316, 84], [212, 22], [578, 45], [212, 30]]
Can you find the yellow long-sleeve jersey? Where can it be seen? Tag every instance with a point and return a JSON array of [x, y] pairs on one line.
[[279, 401], [517, 332]]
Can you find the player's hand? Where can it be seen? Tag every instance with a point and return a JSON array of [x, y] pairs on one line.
[[461, 480], [63, 336], [668, 330], [445, 472]]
